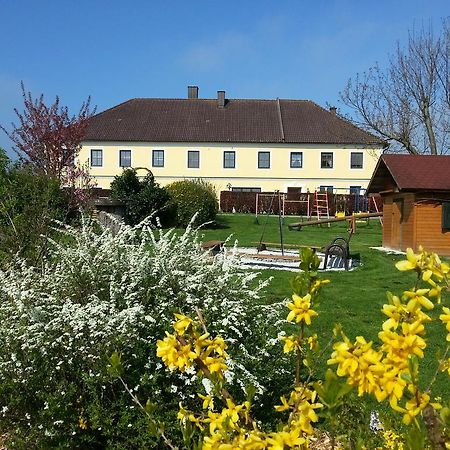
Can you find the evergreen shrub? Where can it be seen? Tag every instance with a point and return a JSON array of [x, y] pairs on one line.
[[142, 198], [29, 203], [190, 197]]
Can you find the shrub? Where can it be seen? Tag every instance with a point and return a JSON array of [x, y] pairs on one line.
[[190, 197], [99, 293], [29, 203], [142, 198], [388, 371]]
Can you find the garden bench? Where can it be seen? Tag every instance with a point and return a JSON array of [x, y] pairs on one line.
[[339, 251]]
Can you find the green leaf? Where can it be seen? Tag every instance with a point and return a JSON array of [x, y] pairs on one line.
[[153, 428], [445, 416], [150, 407], [413, 365], [115, 368], [333, 390], [415, 438], [250, 390]]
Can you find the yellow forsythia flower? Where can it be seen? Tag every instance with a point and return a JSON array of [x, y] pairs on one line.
[[300, 309], [174, 354], [446, 320], [413, 407], [291, 343], [417, 299], [284, 406], [182, 324], [208, 401], [286, 439], [411, 262], [82, 423]]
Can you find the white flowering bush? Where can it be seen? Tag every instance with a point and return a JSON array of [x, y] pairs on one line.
[[97, 293]]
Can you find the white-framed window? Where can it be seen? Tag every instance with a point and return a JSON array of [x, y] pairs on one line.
[[157, 158], [356, 160], [125, 158], [326, 160], [229, 159], [263, 160], [96, 157], [193, 161], [326, 189], [296, 161]]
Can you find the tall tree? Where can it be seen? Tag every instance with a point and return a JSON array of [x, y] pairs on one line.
[[408, 102], [48, 137]]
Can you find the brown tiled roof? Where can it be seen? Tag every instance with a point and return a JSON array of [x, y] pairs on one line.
[[411, 173], [200, 120]]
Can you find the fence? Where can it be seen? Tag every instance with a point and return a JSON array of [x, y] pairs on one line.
[[245, 202]]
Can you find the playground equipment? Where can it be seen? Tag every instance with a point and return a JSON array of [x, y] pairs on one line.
[[280, 218], [321, 207], [352, 220], [265, 204], [299, 202]]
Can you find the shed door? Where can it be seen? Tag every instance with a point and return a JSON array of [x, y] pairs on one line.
[[397, 223]]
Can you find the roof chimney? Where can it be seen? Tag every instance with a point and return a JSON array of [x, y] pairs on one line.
[[221, 99], [192, 91], [333, 109]]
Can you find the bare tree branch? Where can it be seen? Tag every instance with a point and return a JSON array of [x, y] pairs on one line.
[[407, 103]]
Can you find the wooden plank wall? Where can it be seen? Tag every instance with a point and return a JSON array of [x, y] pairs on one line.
[[429, 232], [405, 229], [408, 221], [387, 222]]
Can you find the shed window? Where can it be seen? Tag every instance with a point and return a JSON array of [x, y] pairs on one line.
[[446, 216]]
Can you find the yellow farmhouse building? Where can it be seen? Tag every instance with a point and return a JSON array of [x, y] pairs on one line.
[[236, 144]]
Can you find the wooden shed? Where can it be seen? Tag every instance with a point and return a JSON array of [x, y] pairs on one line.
[[415, 190]]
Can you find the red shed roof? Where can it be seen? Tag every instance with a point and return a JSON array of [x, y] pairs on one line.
[[240, 120], [411, 173]]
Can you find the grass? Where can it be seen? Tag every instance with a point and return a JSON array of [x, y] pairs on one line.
[[353, 299]]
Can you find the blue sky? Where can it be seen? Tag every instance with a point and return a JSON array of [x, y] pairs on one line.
[[116, 50]]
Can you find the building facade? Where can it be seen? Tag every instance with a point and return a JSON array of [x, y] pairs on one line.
[[247, 145]]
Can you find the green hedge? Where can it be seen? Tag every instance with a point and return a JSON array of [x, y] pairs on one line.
[[189, 197]]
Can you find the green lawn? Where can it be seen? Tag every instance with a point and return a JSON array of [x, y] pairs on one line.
[[353, 298]]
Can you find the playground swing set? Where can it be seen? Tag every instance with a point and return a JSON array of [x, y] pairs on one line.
[[339, 247], [320, 210]]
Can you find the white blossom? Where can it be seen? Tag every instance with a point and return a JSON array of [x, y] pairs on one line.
[[97, 292]]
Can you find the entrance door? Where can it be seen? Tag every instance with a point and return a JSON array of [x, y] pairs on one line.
[[397, 223]]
